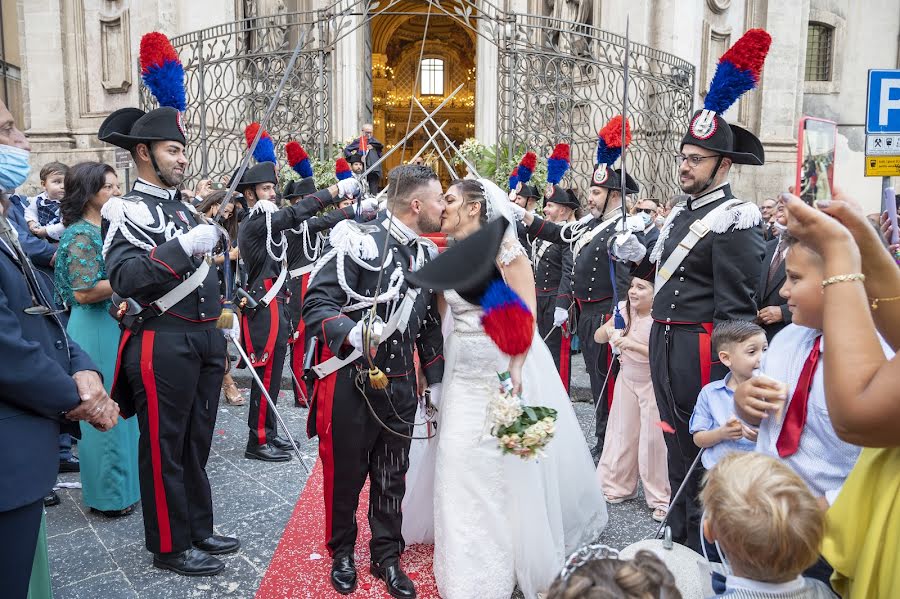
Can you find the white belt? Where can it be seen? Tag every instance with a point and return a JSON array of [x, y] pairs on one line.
[[276, 286], [299, 272], [184, 289], [399, 319], [698, 230]]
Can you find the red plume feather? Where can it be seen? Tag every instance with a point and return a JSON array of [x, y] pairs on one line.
[[295, 152], [561, 152], [749, 52], [612, 132], [529, 161], [156, 50]]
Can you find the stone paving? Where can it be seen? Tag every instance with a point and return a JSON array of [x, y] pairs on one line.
[[93, 557]]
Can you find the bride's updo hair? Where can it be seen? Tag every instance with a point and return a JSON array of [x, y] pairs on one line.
[[643, 577], [472, 191]]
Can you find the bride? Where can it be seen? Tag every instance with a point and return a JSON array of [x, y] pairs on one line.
[[497, 520]]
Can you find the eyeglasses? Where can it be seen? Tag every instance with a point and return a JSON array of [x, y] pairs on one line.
[[647, 210], [693, 160]]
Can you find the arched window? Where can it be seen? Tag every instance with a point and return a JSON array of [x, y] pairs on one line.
[[431, 77], [819, 52]]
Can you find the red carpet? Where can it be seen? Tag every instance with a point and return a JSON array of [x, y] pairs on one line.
[[300, 565]]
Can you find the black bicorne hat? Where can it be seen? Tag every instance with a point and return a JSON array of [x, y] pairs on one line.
[[262, 172], [355, 156], [128, 127], [562, 196], [300, 189], [710, 131], [468, 267], [612, 179], [527, 191]]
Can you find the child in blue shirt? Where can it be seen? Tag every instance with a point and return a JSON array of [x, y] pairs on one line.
[[715, 426], [42, 213]]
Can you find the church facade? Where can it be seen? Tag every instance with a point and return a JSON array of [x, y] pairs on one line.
[[514, 74]]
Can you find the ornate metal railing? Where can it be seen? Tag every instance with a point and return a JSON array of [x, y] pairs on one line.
[[558, 82]]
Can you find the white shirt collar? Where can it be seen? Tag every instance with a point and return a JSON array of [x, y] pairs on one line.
[[397, 226], [738, 582]]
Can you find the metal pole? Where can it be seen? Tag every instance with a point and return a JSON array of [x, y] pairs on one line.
[[204, 149], [678, 492], [271, 403], [298, 386], [446, 162], [624, 188], [449, 141]]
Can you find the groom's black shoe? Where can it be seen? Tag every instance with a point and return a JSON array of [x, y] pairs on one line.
[[398, 583], [343, 574]]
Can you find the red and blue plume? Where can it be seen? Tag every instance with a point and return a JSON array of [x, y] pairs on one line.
[[609, 140], [514, 178], [558, 163], [162, 71], [342, 169], [265, 148], [298, 159], [738, 70], [526, 167], [506, 319]]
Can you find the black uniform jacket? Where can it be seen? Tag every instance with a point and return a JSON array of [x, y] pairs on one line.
[[718, 279], [325, 299], [551, 260]]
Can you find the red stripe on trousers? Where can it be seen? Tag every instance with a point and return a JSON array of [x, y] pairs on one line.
[[324, 405], [565, 355], [159, 491], [300, 341], [267, 373], [703, 341], [126, 335]]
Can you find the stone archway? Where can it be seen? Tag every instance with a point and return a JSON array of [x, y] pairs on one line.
[[397, 42]]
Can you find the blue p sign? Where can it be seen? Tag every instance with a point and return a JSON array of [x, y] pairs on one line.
[[883, 109]]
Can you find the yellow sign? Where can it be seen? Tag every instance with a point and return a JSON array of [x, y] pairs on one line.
[[883, 166]]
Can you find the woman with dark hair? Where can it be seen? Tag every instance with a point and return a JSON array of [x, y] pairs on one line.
[[109, 469], [210, 207]]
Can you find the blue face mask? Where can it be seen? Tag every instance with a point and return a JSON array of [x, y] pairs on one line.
[[14, 167]]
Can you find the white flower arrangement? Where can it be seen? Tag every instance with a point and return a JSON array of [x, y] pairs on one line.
[[520, 430]]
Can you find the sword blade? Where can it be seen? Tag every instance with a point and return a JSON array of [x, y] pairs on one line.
[[272, 406]]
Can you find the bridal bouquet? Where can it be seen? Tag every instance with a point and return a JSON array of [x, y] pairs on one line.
[[520, 430]]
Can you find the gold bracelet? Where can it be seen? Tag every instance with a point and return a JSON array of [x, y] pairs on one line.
[[857, 276], [875, 300]]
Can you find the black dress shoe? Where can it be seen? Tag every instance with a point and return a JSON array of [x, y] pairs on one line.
[[398, 583], [266, 453], [191, 562], [51, 499], [70, 465], [282, 444], [343, 574], [114, 513], [218, 545]]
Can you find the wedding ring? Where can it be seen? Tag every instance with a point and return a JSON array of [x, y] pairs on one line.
[[97, 409]]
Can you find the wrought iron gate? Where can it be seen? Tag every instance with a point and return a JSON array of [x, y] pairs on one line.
[[558, 82]]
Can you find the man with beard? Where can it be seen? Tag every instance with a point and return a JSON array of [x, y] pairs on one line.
[[171, 357], [263, 243], [366, 396], [708, 262]]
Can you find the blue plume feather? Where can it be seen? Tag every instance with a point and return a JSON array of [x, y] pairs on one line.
[[265, 150], [605, 154], [304, 168], [556, 168], [166, 83], [727, 85]]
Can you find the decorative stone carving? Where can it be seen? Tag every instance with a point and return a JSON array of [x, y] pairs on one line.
[[115, 53], [568, 18], [718, 6]]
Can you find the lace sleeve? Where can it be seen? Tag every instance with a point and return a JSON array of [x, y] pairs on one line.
[[79, 264], [510, 249]]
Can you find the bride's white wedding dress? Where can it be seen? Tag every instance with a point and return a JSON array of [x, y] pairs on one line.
[[497, 520]]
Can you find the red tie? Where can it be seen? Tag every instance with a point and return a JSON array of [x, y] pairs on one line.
[[789, 439]]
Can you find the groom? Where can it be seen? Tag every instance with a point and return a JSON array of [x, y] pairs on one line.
[[364, 431]]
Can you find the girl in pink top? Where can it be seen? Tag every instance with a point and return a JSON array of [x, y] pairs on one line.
[[634, 443]]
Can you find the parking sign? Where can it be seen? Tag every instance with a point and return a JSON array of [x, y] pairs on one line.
[[883, 106]]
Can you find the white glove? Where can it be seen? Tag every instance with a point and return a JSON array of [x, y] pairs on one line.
[[199, 240], [234, 331], [369, 205], [517, 210], [355, 336], [435, 390], [560, 316], [348, 188], [627, 247], [635, 223]]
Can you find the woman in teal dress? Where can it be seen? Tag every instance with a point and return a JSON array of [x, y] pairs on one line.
[[109, 460]]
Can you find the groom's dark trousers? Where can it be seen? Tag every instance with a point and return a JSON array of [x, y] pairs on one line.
[[353, 445]]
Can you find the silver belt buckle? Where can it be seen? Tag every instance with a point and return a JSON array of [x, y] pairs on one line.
[[699, 228]]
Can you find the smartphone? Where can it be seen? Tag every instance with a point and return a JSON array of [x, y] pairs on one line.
[[218, 185], [815, 159], [889, 205]]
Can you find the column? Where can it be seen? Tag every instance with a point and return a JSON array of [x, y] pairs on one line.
[[346, 95], [486, 82]]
